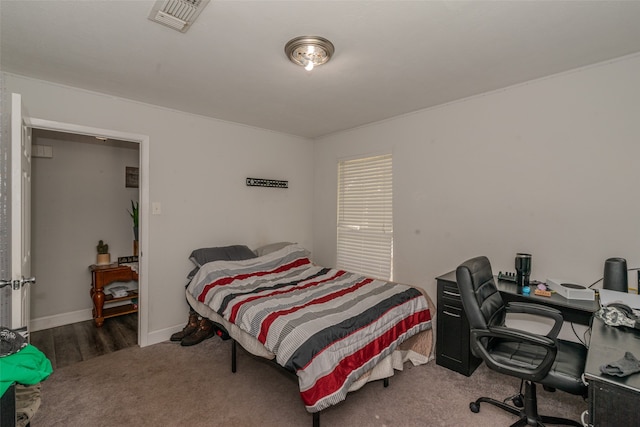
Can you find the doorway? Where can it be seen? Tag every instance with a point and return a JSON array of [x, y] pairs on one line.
[[86, 141], [81, 194]]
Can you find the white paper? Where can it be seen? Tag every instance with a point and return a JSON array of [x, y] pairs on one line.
[[608, 296]]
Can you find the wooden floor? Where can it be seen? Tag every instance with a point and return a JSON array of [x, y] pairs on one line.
[[66, 345]]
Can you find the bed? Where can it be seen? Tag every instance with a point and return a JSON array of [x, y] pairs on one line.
[[335, 330]]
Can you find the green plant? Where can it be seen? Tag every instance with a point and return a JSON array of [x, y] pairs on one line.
[[134, 213], [102, 247]]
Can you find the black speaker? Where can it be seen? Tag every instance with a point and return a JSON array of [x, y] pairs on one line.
[[615, 275]]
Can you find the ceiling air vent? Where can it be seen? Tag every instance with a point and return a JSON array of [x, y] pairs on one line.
[[177, 14]]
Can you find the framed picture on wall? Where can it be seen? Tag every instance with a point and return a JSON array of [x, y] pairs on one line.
[[131, 177]]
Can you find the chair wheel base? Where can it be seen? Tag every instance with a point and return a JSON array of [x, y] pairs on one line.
[[527, 416], [518, 401]]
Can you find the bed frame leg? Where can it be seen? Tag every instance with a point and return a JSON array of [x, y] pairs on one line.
[[385, 382], [316, 419], [233, 356]]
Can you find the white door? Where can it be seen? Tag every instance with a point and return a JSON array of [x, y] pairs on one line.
[[20, 215]]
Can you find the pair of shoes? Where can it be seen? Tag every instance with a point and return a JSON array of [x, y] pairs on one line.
[[191, 328], [205, 330]]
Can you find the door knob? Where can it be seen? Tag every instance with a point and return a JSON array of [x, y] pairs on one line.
[[23, 281], [17, 283]]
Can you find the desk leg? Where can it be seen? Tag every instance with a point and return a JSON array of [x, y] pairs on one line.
[[98, 304]]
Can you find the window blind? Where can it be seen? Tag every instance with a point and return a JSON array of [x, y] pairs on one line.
[[365, 216]]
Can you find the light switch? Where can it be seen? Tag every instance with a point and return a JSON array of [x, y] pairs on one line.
[[41, 151], [156, 208]]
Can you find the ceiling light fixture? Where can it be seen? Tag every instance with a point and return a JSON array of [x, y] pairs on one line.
[[309, 51]]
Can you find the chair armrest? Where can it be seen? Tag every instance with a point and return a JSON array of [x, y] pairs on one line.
[[539, 310], [515, 335]]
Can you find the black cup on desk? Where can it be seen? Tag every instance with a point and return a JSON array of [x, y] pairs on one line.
[[523, 269]]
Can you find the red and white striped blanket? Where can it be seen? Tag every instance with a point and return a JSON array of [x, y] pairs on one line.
[[328, 326]]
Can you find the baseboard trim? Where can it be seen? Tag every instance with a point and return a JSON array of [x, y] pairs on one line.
[[162, 335], [48, 322]]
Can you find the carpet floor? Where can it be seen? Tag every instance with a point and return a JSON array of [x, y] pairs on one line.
[[169, 385]]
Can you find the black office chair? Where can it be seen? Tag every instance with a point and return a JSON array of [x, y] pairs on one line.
[[543, 359]]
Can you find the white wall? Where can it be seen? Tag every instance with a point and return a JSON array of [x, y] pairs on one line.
[[78, 198], [549, 167], [546, 167], [197, 172]]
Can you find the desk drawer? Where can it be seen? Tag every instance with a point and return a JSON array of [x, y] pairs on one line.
[[449, 293], [103, 278], [449, 290]]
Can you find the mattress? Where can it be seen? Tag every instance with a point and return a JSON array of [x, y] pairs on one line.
[[335, 329]]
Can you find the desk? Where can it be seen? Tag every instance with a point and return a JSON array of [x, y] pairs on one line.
[[573, 310], [452, 336], [612, 400], [101, 276]]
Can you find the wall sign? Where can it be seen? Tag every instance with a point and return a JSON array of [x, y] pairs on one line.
[[131, 177], [261, 182]]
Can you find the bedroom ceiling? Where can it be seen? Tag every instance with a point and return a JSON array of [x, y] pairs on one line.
[[391, 57]]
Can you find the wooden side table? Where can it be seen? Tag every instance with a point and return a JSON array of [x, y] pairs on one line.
[[101, 276]]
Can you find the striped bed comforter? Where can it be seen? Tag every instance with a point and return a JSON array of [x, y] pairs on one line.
[[326, 325]]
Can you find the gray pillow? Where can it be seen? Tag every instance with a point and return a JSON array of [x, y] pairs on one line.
[[225, 253], [267, 249]]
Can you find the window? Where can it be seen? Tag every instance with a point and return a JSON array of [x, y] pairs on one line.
[[365, 216]]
